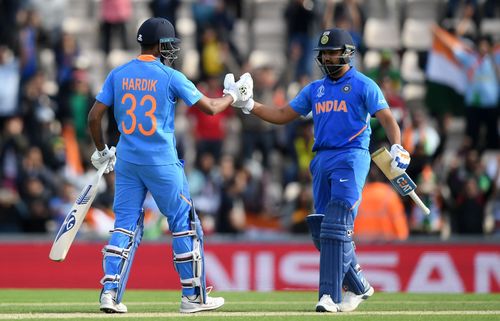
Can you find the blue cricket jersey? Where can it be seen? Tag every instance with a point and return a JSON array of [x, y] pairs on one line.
[[341, 109], [143, 93]]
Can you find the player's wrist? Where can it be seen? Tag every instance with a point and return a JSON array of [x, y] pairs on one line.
[[231, 94], [104, 151]]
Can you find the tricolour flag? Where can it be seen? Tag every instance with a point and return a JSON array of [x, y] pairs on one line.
[[442, 67]]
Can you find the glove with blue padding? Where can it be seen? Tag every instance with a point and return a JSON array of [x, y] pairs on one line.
[[105, 157], [241, 91], [400, 158]]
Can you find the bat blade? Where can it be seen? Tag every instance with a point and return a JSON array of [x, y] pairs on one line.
[[400, 181], [74, 219]]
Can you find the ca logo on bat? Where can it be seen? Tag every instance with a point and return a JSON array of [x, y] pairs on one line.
[[68, 224]]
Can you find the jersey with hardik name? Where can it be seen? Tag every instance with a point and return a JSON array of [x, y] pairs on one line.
[[341, 109], [144, 92]]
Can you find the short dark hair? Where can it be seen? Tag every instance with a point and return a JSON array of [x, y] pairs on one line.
[[148, 47]]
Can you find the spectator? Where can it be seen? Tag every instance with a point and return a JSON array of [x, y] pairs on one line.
[[303, 149], [29, 22], [75, 107], [348, 15], [165, 9], [256, 134], [231, 216], [210, 130], [420, 134], [482, 90], [381, 215], [429, 192], [67, 51], [12, 213], [300, 18], [468, 24], [8, 25], [114, 16], [470, 188], [205, 190], [13, 145], [470, 209], [9, 91], [386, 69], [303, 207], [36, 199], [213, 54]]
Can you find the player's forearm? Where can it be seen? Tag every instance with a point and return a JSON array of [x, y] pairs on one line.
[[96, 134], [273, 114], [94, 124], [393, 133], [212, 106], [391, 127]]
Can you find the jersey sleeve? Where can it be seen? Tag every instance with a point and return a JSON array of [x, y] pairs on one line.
[[374, 98], [185, 89], [302, 102], [106, 94]]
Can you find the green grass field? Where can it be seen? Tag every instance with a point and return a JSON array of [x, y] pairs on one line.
[[289, 306]]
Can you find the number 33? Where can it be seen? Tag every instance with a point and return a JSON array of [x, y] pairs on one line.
[[130, 112]]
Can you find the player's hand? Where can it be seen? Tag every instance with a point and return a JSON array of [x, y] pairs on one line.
[[105, 157], [241, 91], [400, 158]]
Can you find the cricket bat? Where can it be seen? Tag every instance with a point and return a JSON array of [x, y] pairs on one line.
[[401, 182], [74, 219]]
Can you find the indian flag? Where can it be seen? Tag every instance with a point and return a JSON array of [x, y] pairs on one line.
[[442, 67]]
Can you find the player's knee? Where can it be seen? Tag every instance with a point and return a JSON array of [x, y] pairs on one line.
[[338, 222], [314, 223]]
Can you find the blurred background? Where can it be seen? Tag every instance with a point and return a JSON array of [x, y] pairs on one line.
[[250, 179]]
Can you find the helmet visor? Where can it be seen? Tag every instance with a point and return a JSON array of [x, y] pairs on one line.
[[169, 48]]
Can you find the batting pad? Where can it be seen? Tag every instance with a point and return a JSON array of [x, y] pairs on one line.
[[336, 249]]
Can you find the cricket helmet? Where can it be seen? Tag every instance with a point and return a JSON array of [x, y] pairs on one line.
[[159, 30], [335, 39]]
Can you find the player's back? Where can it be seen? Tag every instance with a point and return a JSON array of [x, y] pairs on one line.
[[144, 111]]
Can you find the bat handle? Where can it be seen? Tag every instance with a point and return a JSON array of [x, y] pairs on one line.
[[419, 202]]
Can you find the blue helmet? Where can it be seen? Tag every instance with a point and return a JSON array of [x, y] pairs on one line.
[[159, 31], [335, 39]]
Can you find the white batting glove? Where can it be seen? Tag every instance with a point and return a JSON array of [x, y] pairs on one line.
[[400, 158], [105, 157], [241, 91]]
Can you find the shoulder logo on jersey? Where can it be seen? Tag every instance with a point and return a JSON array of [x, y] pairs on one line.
[[321, 91], [346, 88]]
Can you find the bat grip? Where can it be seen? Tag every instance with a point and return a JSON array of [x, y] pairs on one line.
[[419, 202]]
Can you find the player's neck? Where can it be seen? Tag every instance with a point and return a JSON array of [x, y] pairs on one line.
[[150, 53], [340, 73]]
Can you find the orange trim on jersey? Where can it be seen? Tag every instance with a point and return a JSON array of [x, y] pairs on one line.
[[359, 133], [185, 199], [355, 204], [146, 58]]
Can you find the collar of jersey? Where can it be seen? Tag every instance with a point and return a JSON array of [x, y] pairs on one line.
[[147, 58], [345, 77]]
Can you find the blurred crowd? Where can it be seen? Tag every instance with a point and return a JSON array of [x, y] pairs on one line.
[[247, 177]]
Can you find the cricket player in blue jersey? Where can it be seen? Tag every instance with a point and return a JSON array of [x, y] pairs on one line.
[[144, 92], [341, 104]]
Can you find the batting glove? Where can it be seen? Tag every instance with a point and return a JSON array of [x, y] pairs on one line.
[[241, 91], [105, 157], [400, 158]]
